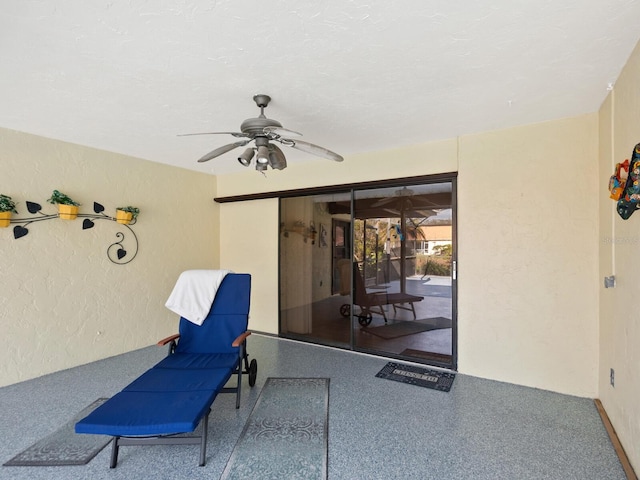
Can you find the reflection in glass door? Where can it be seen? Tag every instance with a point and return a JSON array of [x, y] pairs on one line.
[[340, 244], [315, 280], [371, 270], [403, 246]]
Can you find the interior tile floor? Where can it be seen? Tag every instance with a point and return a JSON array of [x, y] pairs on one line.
[[330, 327]]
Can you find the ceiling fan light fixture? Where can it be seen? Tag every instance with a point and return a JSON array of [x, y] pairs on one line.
[[246, 157], [277, 160], [263, 155]]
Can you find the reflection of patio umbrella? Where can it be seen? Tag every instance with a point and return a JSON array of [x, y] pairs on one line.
[[405, 200], [443, 217], [419, 204], [402, 203], [403, 251]]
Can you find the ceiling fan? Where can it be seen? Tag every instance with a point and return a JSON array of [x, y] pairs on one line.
[[405, 199], [262, 131]]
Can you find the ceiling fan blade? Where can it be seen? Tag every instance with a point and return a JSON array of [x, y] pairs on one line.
[[220, 150], [426, 212], [235, 134], [313, 149], [280, 131], [383, 201]]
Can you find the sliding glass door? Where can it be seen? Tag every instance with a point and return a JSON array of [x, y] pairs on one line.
[[372, 269], [403, 245]]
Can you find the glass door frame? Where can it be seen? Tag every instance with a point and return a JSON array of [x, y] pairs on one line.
[[351, 190]]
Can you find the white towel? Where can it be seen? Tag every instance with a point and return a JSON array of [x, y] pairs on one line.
[[194, 292]]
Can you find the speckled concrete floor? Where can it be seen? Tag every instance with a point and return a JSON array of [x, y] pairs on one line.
[[378, 429]]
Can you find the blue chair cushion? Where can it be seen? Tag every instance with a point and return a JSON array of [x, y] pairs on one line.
[[235, 290], [227, 319], [216, 334], [199, 360], [179, 380], [148, 413]]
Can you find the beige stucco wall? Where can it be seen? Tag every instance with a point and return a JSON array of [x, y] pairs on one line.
[[527, 277], [248, 232], [527, 223], [63, 302], [619, 241]]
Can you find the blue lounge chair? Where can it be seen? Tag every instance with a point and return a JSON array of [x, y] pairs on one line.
[[176, 395]]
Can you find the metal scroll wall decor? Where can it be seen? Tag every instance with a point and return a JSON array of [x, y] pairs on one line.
[[116, 252]]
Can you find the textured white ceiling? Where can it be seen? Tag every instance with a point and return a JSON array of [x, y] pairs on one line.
[[352, 76]]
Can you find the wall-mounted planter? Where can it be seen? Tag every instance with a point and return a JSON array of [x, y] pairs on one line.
[[68, 212], [67, 208], [124, 217], [5, 218], [116, 252]]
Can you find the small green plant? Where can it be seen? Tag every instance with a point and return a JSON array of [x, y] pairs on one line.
[[62, 199], [134, 211], [6, 204], [433, 265]]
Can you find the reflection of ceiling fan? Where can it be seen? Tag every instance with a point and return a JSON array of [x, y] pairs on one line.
[[402, 193], [404, 200], [262, 131]]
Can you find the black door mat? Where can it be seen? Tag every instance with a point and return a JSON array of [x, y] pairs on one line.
[[421, 377]]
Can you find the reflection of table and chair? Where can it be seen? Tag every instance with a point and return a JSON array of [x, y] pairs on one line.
[[371, 302]]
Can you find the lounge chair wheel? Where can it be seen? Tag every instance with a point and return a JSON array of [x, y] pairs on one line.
[[364, 319], [345, 310], [253, 372]]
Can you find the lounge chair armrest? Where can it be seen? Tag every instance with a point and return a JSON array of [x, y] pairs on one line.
[[241, 338], [169, 339]]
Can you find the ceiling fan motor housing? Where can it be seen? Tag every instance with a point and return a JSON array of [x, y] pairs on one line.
[[256, 126]]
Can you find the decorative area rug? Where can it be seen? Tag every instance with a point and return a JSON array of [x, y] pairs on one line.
[[64, 446], [286, 434], [421, 377], [400, 329]]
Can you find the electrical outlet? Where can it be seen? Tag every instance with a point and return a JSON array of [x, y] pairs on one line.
[[612, 377], [610, 282]]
